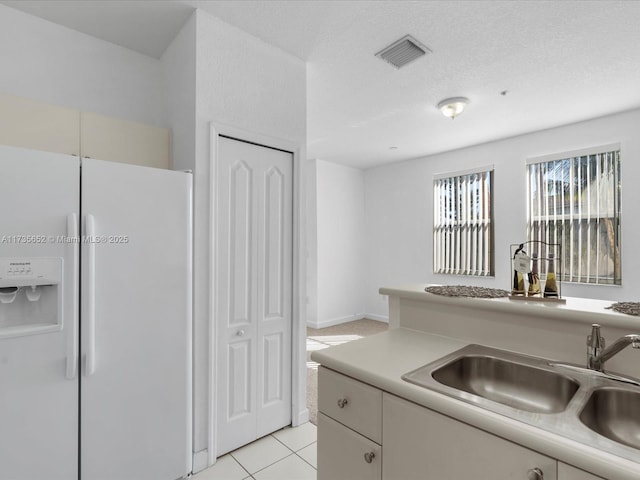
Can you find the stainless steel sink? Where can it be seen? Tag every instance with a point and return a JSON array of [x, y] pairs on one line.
[[614, 413], [527, 387], [595, 408], [519, 382]]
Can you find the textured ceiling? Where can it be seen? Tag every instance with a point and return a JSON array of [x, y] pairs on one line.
[[559, 61]]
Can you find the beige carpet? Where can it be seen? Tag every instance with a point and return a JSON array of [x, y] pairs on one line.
[[318, 339]]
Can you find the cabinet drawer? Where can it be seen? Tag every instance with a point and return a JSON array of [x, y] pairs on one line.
[[345, 455], [567, 472], [350, 402]]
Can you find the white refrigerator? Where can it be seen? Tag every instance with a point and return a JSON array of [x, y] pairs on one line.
[[95, 319]]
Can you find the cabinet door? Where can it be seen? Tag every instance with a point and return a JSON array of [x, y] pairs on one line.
[[107, 138], [567, 472], [422, 444], [346, 455], [27, 123]]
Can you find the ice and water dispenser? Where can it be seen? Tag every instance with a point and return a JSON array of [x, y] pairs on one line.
[[30, 295]]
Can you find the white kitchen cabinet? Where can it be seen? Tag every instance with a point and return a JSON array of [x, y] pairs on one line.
[[349, 428], [117, 140], [30, 124], [422, 444], [365, 433], [344, 454], [567, 472]]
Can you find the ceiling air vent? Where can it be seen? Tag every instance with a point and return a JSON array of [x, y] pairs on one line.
[[404, 51]]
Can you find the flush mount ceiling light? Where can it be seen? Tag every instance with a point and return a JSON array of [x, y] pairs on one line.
[[452, 107]]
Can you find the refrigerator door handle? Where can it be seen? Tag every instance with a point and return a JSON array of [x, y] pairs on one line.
[[90, 350], [72, 348]]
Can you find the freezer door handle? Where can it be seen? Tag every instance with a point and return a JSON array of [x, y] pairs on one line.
[[90, 350], [72, 346]]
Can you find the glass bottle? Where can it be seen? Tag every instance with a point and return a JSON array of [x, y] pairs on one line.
[[534, 277], [518, 277], [550, 285], [518, 283]]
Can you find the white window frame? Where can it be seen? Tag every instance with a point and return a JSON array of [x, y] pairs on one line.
[[584, 215], [463, 239]]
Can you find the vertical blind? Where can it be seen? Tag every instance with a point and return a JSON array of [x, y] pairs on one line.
[[463, 224], [574, 201]]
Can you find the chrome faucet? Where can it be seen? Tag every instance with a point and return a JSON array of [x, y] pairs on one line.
[[597, 355]]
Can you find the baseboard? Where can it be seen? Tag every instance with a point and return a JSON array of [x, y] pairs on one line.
[[379, 318], [335, 321], [303, 417], [200, 461]]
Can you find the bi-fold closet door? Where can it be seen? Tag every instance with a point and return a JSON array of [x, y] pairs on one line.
[[253, 315]]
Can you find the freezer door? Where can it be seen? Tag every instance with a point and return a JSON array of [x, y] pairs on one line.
[[136, 323], [39, 195]]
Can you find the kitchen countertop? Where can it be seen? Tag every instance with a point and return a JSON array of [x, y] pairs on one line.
[[381, 360], [577, 310]]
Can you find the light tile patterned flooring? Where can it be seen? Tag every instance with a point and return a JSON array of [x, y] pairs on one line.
[[288, 454]]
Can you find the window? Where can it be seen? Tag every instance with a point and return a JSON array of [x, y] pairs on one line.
[[574, 201], [463, 223]]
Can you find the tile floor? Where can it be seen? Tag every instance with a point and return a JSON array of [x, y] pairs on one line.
[[288, 454]]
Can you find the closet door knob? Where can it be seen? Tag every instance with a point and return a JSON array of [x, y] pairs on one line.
[[342, 402], [240, 333], [535, 474], [369, 456]]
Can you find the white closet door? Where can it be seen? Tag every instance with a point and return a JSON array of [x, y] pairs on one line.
[[254, 284]]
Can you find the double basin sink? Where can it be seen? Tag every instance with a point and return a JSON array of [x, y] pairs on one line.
[[590, 407]]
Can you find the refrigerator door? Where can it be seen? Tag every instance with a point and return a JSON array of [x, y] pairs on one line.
[[136, 323], [39, 195]]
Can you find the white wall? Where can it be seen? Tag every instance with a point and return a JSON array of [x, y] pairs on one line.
[[57, 65], [179, 82], [245, 83], [179, 76], [312, 243], [339, 295], [211, 72], [399, 208]]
